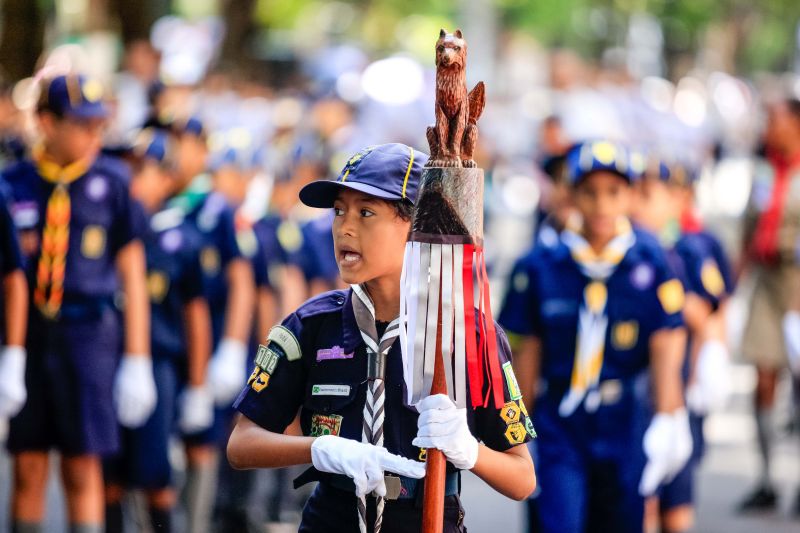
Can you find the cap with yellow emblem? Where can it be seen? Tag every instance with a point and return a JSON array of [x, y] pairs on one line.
[[387, 171], [73, 95], [602, 156]]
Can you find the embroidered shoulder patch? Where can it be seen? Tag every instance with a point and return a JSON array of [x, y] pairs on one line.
[[515, 433], [511, 381], [286, 340], [712, 278], [266, 359], [671, 296]]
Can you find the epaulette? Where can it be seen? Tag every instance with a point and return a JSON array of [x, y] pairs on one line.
[[327, 302]]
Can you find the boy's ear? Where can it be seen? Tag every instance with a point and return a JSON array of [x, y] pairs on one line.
[[47, 122]]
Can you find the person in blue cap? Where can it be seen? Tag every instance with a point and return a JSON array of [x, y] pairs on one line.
[[598, 312], [315, 363], [13, 316], [180, 336], [82, 246], [229, 288], [659, 206]]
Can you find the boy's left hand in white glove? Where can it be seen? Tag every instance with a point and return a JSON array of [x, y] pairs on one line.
[[668, 445], [197, 409], [134, 390], [443, 426], [226, 371], [12, 380]]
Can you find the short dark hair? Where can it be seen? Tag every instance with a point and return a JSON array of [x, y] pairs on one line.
[[403, 209]]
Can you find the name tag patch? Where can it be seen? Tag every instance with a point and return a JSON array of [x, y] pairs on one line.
[[330, 390], [331, 354]]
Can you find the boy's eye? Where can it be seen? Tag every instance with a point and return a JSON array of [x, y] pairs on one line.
[[366, 213], [338, 211]]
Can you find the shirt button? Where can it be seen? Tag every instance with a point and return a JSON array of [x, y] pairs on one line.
[[340, 300]]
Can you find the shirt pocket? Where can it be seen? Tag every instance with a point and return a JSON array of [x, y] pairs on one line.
[[332, 407]]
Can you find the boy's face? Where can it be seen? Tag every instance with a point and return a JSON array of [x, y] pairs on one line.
[[655, 204], [368, 237], [602, 198], [151, 185], [191, 154], [69, 139], [231, 183]]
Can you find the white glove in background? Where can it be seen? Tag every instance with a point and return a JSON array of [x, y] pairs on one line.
[[196, 409], [791, 337], [443, 426], [364, 463], [711, 387], [134, 390], [668, 445], [12, 380], [226, 372]]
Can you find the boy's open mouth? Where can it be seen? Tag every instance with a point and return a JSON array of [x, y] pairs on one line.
[[348, 256]]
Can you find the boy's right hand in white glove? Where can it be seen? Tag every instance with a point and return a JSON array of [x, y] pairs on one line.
[[364, 463]]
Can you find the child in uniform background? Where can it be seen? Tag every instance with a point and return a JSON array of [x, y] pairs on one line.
[[658, 208], [228, 287], [598, 312], [74, 212], [181, 342], [315, 362]]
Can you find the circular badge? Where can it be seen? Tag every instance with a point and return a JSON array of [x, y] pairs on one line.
[[171, 240], [97, 189], [642, 276]]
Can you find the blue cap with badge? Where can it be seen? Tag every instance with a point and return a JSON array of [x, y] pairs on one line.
[[602, 156], [387, 171], [153, 144], [73, 95]]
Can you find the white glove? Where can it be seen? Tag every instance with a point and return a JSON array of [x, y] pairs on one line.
[[712, 384], [196, 410], [443, 426], [134, 390], [12, 380], [226, 372], [668, 445], [365, 463], [791, 337]]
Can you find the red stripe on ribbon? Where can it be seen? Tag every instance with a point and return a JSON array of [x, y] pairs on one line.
[[473, 364], [496, 375]]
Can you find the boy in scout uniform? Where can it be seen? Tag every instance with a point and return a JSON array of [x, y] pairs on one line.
[[598, 313], [229, 288], [181, 341], [772, 229], [659, 205], [76, 218], [315, 362]]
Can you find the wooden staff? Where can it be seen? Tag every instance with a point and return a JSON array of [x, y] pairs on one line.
[[436, 464]]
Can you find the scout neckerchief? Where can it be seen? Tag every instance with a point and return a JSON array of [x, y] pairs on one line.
[[592, 318], [377, 350], [764, 246], [193, 195], [49, 292]]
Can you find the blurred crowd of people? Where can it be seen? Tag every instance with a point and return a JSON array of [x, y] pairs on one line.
[[152, 227]]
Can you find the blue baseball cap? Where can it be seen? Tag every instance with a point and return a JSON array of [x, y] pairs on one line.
[[189, 126], [387, 171], [73, 95], [595, 156], [153, 144]]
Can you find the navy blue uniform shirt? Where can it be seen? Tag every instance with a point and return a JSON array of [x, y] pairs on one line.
[[102, 222], [546, 290], [174, 278], [319, 368]]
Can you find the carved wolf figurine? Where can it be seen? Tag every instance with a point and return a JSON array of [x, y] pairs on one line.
[[452, 139]]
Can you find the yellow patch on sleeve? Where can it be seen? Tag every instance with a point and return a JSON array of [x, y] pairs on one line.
[[671, 296], [712, 278]]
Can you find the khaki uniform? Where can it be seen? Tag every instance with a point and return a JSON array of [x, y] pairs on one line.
[[775, 285]]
